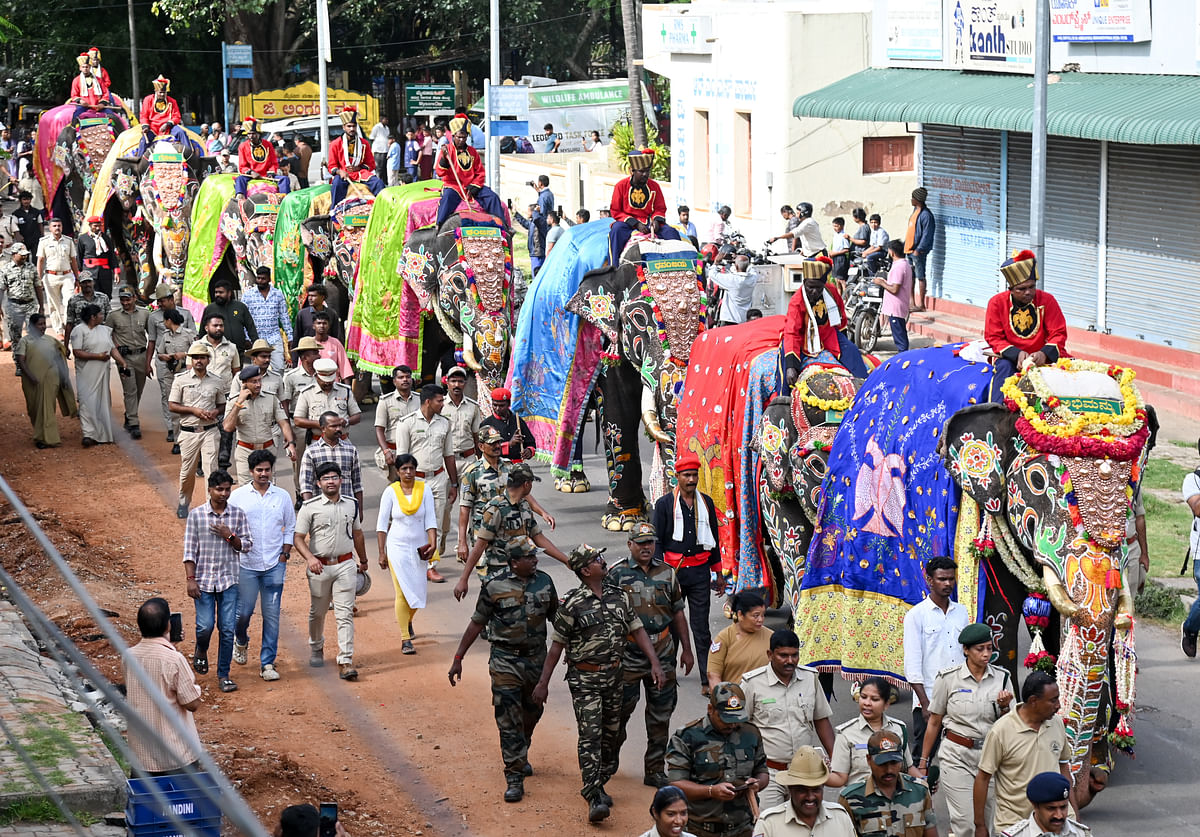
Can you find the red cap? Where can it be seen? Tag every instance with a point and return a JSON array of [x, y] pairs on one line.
[[687, 462], [824, 260], [502, 394], [95, 219]]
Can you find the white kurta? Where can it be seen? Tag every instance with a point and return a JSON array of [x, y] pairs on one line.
[[405, 534], [91, 381]]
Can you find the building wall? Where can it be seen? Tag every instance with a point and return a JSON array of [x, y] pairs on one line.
[[764, 55]]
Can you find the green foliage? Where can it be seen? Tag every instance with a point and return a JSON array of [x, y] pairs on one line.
[[623, 146], [1167, 529], [38, 809], [1159, 602], [1164, 474]]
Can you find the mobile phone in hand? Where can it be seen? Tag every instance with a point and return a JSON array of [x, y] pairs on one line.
[[176, 627], [329, 816]]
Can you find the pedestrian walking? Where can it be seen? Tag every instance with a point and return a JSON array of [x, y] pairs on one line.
[[718, 762], [93, 347], [465, 418], [130, 331], [215, 536], [516, 439], [325, 395], [269, 310], [686, 523], [591, 626], [967, 701], [669, 810], [889, 803], [391, 408], [656, 598], [59, 271], [239, 325], [45, 382], [331, 446], [328, 534], [789, 709], [303, 375], [394, 161], [426, 434], [88, 295], [263, 567], [253, 416], [805, 813], [407, 533], [1190, 628], [513, 607], [1050, 795], [172, 330], [848, 761], [479, 483], [260, 355], [198, 398], [96, 255]]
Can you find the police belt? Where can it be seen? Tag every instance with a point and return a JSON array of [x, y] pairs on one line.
[[717, 827], [777, 765], [426, 474], [20, 301], [962, 740], [187, 429]]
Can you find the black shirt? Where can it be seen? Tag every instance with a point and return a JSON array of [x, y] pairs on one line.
[[507, 429], [239, 325], [29, 224], [663, 519], [304, 325]]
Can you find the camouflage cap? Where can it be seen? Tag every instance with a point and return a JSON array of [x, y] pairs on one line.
[[730, 702], [521, 474], [520, 547], [583, 555], [489, 435], [643, 532]]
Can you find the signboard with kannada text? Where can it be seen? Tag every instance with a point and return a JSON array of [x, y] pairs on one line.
[[239, 55], [991, 35], [1100, 21], [304, 99], [419, 97], [509, 100]]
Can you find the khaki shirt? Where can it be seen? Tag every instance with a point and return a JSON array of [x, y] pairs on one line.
[[392, 409], [174, 342], [257, 419], [850, 747], [781, 821], [313, 401], [1030, 828], [190, 390], [57, 253], [428, 441], [294, 380], [330, 525], [158, 328], [968, 706], [785, 714], [224, 360], [129, 327], [272, 383], [464, 421], [1013, 753]]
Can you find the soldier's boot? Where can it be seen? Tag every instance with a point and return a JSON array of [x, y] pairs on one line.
[[656, 780], [516, 789], [597, 810], [605, 798]]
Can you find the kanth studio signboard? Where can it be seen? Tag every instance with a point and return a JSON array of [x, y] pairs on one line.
[[991, 35]]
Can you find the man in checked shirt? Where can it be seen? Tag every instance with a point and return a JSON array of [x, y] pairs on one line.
[[216, 534]]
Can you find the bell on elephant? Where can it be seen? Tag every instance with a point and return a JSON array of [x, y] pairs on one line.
[[638, 205], [815, 328]]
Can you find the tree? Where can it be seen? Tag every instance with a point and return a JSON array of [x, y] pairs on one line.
[[633, 68]]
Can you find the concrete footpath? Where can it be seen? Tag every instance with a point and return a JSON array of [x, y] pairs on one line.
[[67, 750]]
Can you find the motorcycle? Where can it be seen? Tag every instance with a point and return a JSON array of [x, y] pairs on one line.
[[864, 301]]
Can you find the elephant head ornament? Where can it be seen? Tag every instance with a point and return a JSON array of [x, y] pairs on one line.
[[248, 223], [335, 240]]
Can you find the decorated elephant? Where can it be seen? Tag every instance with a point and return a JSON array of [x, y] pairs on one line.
[[69, 154], [332, 237], [649, 310], [248, 224]]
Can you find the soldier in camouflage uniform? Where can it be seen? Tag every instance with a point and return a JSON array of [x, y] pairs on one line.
[[591, 626], [718, 761], [506, 516], [513, 607], [21, 290], [481, 481], [655, 595], [889, 803]]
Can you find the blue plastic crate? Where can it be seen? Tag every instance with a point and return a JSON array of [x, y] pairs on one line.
[[197, 828], [185, 798]]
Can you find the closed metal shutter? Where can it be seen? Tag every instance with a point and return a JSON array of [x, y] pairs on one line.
[[1071, 260], [1153, 246], [961, 169]]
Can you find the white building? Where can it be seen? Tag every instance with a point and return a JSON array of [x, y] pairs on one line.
[[735, 69]]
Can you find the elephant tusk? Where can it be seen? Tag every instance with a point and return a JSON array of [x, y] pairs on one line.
[[1124, 620], [1058, 594], [468, 353], [650, 418]]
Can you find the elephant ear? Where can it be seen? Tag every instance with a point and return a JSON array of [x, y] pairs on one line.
[[598, 301], [314, 232], [977, 448], [774, 439]]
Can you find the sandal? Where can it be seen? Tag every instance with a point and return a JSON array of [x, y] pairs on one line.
[[200, 665], [228, 685]]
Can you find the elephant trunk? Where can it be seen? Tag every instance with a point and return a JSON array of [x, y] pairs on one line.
[[650, 418]]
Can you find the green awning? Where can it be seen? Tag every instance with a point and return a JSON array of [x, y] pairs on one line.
[[1146, 109]]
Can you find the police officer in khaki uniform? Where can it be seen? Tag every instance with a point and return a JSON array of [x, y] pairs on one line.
[[328, 535], [1050, 795], [226, 359], [260, 355], [198, 398], [805, 814], [392, 407], [294, 381], [718, 762], [464, 417], [967, 700], [130, 326], [426, 435], [170, 337], [252, 415], [327, 395], [789, 708]]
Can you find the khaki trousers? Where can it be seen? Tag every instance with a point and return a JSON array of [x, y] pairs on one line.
[[241, 460], [192, 447], [438, 486], [336, 583], [957, 784]]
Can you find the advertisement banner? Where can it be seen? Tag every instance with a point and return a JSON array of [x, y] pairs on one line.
[[1100, 21], [992, 35], [914, 30]]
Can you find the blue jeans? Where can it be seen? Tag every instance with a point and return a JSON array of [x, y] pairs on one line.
[[1191, 625], [535, 262], [267, 584], [851, 357], [220, 608], [899, 333]]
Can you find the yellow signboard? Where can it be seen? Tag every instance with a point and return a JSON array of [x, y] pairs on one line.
[[304, 99]]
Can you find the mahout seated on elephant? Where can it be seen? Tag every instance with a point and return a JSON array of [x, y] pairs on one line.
[[638, 205], [815, 329]]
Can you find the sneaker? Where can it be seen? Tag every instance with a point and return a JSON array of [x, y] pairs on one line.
[[239, 653], [515, 791], [269, 673], [317, 659], [200, 665], [347, 671], [1187, 643], [597, 811]]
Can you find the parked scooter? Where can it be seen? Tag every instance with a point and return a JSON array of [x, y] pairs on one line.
[[864, 301]]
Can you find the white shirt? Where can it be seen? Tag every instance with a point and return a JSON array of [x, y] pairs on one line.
[[379, 138], [931, 642], [272, 519], [808, 237], [738, 296], [1191, 487]]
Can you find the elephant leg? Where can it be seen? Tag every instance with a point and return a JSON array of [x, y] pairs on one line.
[[1003, 598], [619, 398]]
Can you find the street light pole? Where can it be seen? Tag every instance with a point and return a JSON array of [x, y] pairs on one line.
[[133, 58], [324, 55], [1037, 192], [493, 142]]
